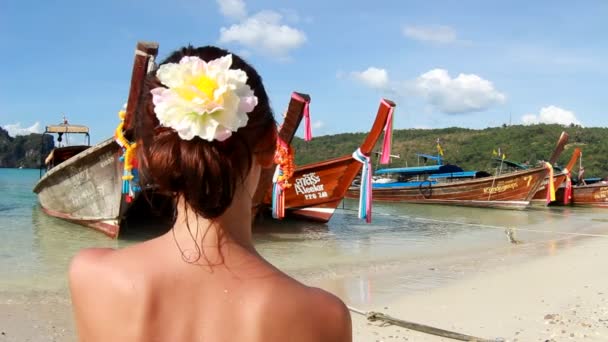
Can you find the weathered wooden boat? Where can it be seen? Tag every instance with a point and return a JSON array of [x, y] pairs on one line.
[[83, 184], [319, 188], [508, 191]]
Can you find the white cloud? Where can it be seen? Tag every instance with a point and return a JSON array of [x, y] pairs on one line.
[[16, 129], [264, 33], [435, 34], [463, 94], [318, 124], [372, 77], [551, 115], [233, 9]]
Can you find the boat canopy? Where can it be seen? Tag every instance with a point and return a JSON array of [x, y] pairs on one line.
[[65, 128], [512, 164], [463, 174], [428, 156], [417, 170]]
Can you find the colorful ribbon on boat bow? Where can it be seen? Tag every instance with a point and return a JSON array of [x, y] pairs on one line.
[[130, 177], [283, 157], [387, 143], [365, 193], [568, 189], [307, 125], [550, 184]]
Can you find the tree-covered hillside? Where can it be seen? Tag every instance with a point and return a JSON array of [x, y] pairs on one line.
[[472, 149], [23, 150]]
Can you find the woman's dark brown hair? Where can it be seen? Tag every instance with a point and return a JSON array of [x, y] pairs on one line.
[[205, 173]]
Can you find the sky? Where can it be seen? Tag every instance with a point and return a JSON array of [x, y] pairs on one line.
[[464, 63]]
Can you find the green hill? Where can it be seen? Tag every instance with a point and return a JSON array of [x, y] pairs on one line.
[[23, 150], [472, 149]]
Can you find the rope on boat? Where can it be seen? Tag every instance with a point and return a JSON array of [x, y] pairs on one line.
[[373, 316]]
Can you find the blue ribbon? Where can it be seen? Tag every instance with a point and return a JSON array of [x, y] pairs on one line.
[[365, 192]]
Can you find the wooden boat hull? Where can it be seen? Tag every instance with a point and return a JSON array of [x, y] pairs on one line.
[[86, 189], [509, 191], [318, 189], [592, 195], [540, 197]]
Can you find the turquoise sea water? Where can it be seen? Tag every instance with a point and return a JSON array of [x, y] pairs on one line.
[[346, 255]]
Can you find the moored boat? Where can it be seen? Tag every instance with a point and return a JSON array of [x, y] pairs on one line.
[[591, 195], [317, 189], [589, 192], [83, 184], [507, 191]]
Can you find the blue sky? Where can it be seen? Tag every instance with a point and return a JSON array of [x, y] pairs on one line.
[[445, 63]]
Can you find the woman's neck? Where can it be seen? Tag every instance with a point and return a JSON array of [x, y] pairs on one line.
[[210, 241]]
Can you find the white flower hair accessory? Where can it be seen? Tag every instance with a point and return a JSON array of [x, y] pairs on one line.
[[203, 99]]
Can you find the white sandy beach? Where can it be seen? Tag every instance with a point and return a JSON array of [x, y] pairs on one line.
[[559, 297]]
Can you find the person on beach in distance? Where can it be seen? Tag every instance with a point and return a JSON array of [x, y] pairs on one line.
[[206, 130]]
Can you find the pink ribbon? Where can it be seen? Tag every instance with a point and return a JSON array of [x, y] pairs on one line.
[[568, 189], [385, 158], [307, 126]]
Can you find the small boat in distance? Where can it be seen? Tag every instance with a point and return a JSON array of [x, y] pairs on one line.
[[319, 188], [507, 191]]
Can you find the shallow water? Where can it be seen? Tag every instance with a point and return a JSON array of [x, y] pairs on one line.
[[419, 246]]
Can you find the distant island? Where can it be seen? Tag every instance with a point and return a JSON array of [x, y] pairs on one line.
[[23, 150], [469, 148], [472, 149]]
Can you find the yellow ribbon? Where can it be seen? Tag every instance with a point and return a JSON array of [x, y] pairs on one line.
[[551, 185]]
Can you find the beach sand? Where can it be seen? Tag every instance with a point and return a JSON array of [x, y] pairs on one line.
[[562, 296], [544, 291]]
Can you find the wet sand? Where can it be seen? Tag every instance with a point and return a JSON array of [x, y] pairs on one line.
[[543, 291]]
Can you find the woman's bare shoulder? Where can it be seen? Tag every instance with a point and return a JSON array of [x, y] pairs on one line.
[[314, 310], [96, 270], [103, 294], [333, 315]]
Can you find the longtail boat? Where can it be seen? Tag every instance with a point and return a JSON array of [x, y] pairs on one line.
[[508, 191], [318, 188], [590, 192], [84, 184], [591, 195], [563, 175]]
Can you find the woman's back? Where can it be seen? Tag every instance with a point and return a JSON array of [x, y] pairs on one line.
[[140, 294]]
